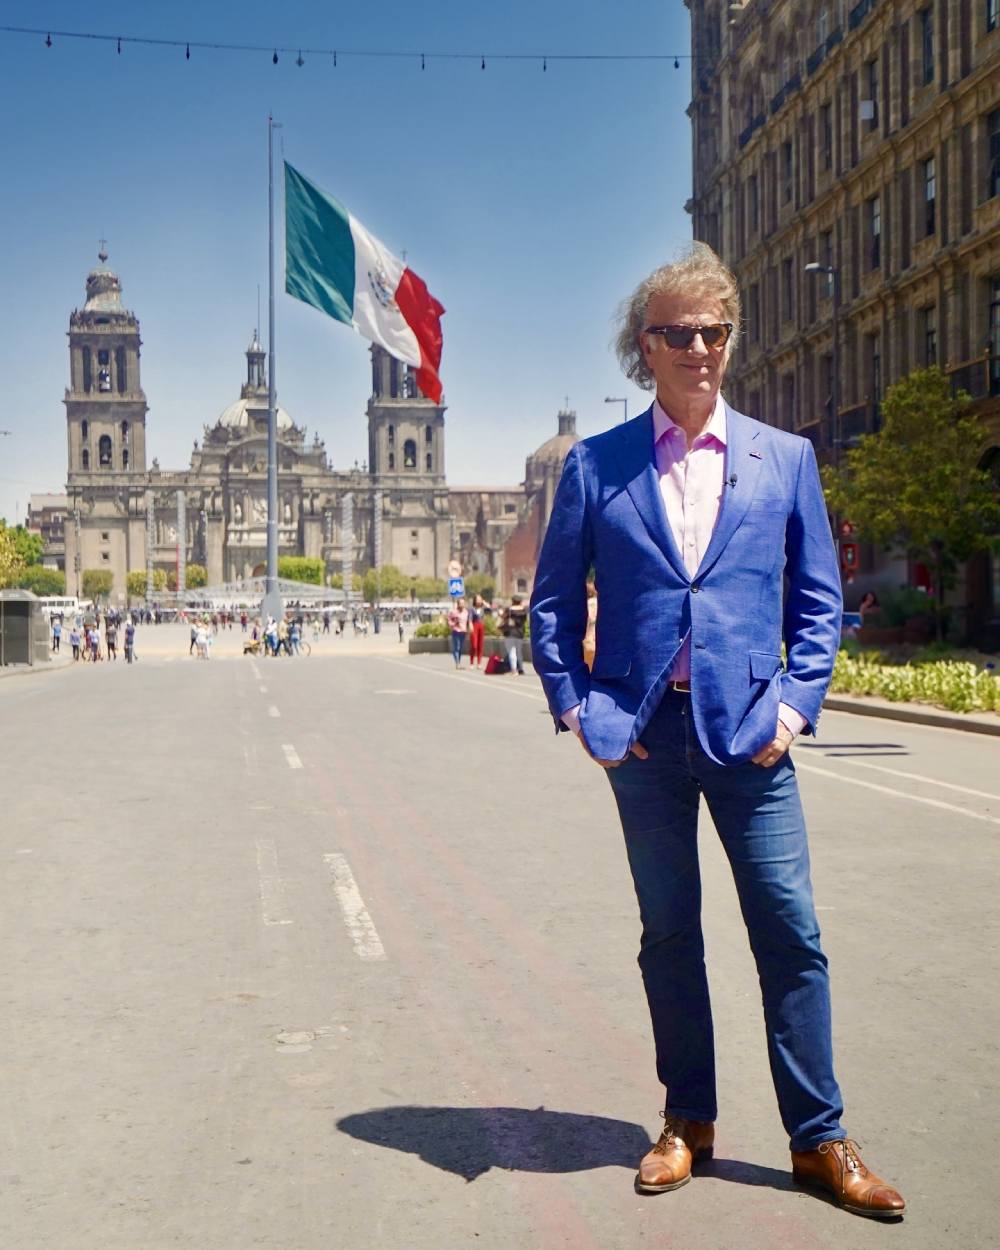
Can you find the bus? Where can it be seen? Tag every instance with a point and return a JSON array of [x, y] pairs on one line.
[[68, 607]]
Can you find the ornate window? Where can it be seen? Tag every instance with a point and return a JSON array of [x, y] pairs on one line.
[[124, 431], [104, 370], [84, 429], [85, 458], [392, 459], [125, 458], [409, 454], [392, 436], [430, 462], [104, 451], [428, 434], [88, 372], [930, 195], [121, 370]]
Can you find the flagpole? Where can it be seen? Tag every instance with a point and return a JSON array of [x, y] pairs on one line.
[[272, 605]]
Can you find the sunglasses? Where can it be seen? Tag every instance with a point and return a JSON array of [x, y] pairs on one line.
[[683, 336]]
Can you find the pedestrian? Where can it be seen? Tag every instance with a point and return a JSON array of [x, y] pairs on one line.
[[243, 622], [194, 637], [399, 626], [294, 635], [56, 633], [111, 638], [512, 627], [695, 517], [201, 640], [283, 644], [74, 641], [95, 644], [326, 622], [458, 623], [129, 641], [477, 629]]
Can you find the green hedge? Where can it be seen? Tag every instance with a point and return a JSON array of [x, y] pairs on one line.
[[958, 686]]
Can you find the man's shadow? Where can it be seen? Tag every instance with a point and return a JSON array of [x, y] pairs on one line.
[[469, 1141]]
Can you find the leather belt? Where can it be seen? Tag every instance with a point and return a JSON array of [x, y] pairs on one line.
[[682, 687]]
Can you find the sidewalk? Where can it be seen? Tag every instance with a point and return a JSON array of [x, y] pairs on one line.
[[915, 713], [52, 665]]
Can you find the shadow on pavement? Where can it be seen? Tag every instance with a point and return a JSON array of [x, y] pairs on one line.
[[739, 1172], [468, 1141]]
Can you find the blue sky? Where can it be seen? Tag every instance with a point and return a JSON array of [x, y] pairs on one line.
[[529, 202]]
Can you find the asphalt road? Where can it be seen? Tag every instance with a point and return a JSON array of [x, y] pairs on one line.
[[341, 951]]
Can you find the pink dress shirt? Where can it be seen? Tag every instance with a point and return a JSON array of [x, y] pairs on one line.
[[692, 480]]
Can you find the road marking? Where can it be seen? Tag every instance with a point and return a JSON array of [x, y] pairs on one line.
[[481, 682], [273, 711], [291, 755], [899, 794], [273, 905], [366, 940], [255, 670], [393, 692], [931, 781]]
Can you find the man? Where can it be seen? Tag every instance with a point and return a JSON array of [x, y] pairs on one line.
[[693, 515]]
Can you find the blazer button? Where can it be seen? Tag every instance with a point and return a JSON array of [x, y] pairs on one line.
[[695, 588]]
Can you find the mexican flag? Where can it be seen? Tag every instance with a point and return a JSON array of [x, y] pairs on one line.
[[333, 263]]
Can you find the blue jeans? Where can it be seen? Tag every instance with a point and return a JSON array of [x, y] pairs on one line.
[[759, 820], [457, 643]]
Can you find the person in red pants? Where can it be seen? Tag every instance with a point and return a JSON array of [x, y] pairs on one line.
[[477, 614]]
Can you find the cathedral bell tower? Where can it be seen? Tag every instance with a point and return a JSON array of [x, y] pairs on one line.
[[106, 436]]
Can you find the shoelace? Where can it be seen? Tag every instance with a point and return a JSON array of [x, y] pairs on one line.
[[850, 1159], [673, 1132]]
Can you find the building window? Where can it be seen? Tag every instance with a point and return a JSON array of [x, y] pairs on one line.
[[88, 375], [392, 459], [992, 14], [413, 536], [85, 429], [788, 401], [392, 436], [786, 172], [930, 196], [430, 462], [993, 132], [105, 536], [928, 332], [788, 289], [409, 454], [414, 554], [753, 204], [927, 45], [871, 76], [754, 313], [875, 232], [85, 458], [522, 585], [826, 135], [428, 434], [509, 509], [124, 431], [104, 451], [104, 370], [823, 25], [994, 329], [875, 354], [105, 557], [121, 370], [125, 458]]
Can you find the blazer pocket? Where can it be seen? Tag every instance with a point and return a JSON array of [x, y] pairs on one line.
[[764, 665], [612, 664]]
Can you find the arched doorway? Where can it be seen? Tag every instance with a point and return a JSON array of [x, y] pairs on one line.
[[259, 570]]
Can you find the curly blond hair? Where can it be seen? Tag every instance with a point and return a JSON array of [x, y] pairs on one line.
[[695, 271]]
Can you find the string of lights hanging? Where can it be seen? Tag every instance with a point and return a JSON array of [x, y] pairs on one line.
[[276, 51]]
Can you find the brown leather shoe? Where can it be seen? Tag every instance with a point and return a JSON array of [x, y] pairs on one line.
[[668, 1164], [836, 1166]]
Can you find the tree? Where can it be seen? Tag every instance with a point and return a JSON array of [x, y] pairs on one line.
[[430, 588], [11, 563], [28, 546], [42, 580], [916, 486], [481, 584], [301, 569], [135, 582], [97, 583], [195, 575]]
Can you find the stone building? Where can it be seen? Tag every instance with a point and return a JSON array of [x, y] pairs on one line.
[[865, 137], [119, 509], [47, 518]]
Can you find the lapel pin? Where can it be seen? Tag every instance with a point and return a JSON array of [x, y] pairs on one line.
[[757, 455]]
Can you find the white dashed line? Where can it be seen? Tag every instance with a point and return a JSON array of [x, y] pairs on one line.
[[291, 755], [366, 940], [273, 711], [931, 781], [273, 905]]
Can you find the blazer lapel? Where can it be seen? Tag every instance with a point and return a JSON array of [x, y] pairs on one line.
[[636, 457], [743, 463]]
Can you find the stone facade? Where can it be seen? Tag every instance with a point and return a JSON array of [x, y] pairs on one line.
[[865, 137], [114, 500]]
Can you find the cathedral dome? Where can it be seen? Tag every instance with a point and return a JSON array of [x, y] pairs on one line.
[[235, 416], [555, 449], [104, 289]]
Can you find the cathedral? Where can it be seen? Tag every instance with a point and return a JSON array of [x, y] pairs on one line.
[[126, 515]]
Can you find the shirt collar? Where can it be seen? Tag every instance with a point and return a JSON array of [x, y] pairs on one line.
[[716, 427]]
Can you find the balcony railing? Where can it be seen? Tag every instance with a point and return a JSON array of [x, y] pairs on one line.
[[817, 58], [747, 134], [980, 376], [790, 87]]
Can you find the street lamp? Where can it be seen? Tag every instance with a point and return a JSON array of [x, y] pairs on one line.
[[609, 400], [834, 275]]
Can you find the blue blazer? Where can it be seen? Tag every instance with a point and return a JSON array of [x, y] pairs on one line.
[[769, 576]]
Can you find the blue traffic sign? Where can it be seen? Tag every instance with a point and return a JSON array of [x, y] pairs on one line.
[[456, 587]]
